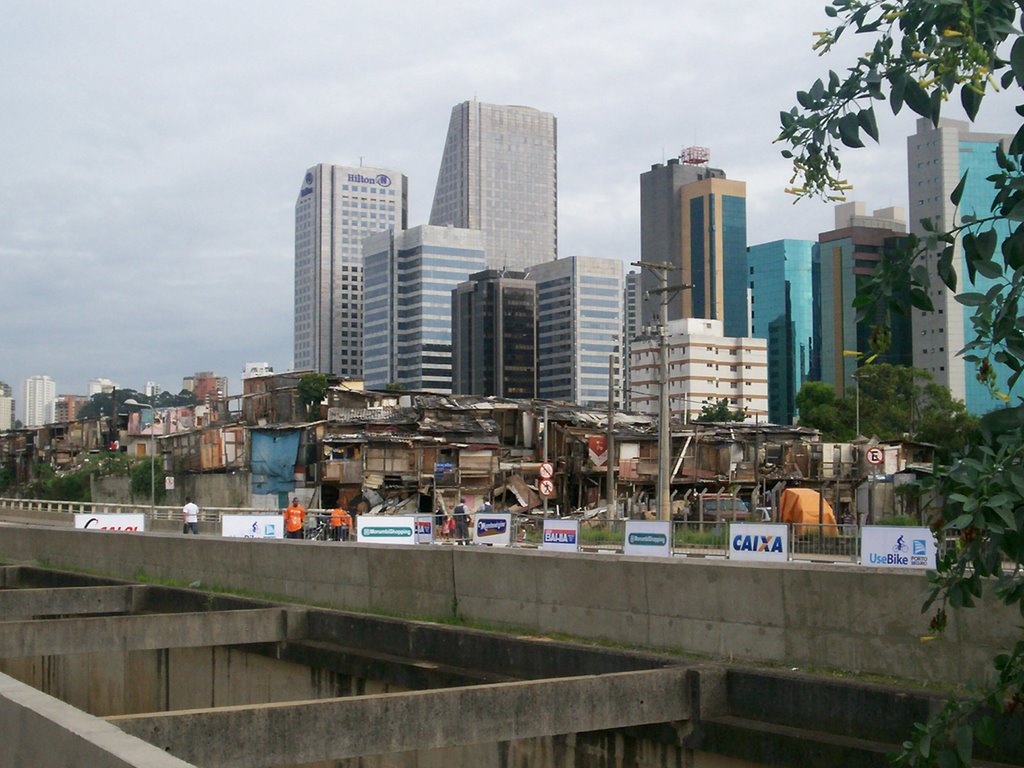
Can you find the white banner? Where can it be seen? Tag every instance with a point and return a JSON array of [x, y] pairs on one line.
[[381, 529], [759, 541], [561, 535], [424, 529], [128, 522], [885, 546], [494, 529], [648, 538], [252, 526]]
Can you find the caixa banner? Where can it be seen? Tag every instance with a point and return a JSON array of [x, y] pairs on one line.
[[885, 546], [252, 526], [126, 523], [766, 542], [494, 529], [561, 535]]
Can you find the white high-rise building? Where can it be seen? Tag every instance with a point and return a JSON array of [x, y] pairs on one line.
[[96, 386], [579, 322], [499, 174], [704, 366], [338, 207], [937, 157], [40, 397]]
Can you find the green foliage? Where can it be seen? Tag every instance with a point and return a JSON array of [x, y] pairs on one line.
[[922, 53], [141, 480], [720, 411], [6, 478], [312, 388]]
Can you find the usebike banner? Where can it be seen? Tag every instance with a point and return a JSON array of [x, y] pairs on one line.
[[424, 529], [252, 526], [494, 529], [129, 522], [648, 538], [380, 529], [886, 546], [561, 535], [759, 541]]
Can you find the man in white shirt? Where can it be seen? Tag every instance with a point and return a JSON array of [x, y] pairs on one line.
[[191, 514]]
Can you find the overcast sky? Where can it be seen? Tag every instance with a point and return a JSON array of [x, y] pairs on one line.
[[151, 152]]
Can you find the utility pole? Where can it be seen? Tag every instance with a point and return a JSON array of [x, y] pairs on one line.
[[664, 412], [610, 482]]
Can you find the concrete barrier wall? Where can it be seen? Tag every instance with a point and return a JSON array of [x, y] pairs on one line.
[[41, 731], [851, 618]]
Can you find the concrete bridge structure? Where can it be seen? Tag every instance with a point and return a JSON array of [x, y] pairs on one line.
[[331, 684]]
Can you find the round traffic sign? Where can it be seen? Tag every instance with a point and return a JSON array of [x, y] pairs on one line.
[[875, 456], [546, 488], [547, 470]]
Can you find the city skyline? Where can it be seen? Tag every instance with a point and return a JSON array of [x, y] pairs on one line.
[[150, 164]]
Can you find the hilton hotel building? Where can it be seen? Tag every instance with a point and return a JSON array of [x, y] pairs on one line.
[[338, 207]]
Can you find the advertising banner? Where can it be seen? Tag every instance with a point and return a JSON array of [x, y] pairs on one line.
[[126, 523], [762, 541], [561, 535], [381, 529], [597, 448], [424, 529], [648, 538], [252, 526], [494, 529], [884, 546]]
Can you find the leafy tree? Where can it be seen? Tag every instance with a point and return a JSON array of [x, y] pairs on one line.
[[923, 52], [719, 410], [312, 388], [819, 409]]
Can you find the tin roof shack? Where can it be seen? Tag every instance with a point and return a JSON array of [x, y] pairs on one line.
[[17, 455], [64, 445], [273, 399], [886, 474]]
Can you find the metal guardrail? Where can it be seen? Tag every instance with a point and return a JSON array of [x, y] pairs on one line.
[[807, 542]]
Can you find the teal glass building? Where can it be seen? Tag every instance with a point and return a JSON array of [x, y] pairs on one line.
[[783, 295]]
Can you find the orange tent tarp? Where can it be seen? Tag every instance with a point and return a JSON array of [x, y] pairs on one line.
[[801, 505]]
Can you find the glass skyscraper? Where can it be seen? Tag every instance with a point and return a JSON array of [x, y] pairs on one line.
[[337, 208], [936, 159], [499, 174], [407, 304], [579, 318], [782, 293]]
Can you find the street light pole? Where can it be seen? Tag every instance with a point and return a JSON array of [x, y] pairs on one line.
[[152, 453]]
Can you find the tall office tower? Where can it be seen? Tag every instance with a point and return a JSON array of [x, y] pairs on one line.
[[783, 296], [936, 160], [152, 389], [40, 394], [852, 250], [579, 319], [6, 407], [704, 366], [499, 174], [409, 279], [494, 335], [338, 207], [632, 315], [694, 218]]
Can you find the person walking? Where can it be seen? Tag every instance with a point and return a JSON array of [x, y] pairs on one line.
[[461, 515], [294, 519], [341, 523], [190, 514]]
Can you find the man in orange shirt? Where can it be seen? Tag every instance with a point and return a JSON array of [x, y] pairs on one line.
[[341, 523], [294, 518]]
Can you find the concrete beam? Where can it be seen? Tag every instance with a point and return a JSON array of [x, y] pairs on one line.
[[19, 639], [44, 732], [294, 733], [68, 601]]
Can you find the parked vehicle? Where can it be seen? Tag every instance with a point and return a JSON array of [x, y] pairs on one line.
[[721, 508]]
